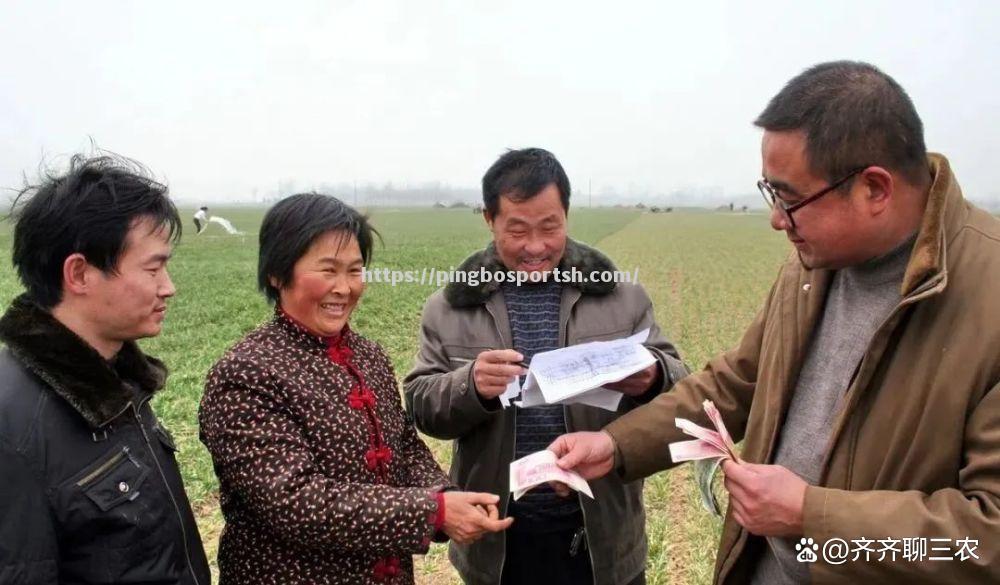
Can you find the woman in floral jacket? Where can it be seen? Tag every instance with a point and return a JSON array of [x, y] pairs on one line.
[[322, 477]]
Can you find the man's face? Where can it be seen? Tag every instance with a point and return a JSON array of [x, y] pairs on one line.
[[830, 232], [132, 302], [530, 235]]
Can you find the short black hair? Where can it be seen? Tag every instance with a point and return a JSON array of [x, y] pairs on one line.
[[291, 227], [853, 115], [522, 174], [88, 210]]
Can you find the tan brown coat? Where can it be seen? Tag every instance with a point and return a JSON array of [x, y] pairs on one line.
[[916, 450]]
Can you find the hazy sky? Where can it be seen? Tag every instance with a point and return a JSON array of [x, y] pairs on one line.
[[224, 98]]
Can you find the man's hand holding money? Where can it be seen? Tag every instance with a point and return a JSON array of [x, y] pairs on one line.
[[767, 500], [591, 454]]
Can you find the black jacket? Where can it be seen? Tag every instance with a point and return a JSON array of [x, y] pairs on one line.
[[90, 491]]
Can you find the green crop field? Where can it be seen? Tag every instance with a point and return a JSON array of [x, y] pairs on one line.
[[707, 274]]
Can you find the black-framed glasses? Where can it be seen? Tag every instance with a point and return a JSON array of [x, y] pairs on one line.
[[774, 201]]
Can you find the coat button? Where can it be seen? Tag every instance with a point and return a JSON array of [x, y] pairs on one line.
[[806, 287], [123, 487]]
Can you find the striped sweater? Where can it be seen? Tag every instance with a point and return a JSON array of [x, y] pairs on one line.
[[533, 311]]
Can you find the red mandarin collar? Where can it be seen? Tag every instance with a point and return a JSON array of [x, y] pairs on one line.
[[336, 345]]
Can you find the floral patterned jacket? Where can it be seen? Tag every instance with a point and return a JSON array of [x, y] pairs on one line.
[[322, 477]]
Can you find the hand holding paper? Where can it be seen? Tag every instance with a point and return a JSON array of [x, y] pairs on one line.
[[492, 369], [577, 374]]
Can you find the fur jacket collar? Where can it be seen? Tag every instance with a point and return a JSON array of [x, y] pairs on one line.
[[72, 368], [580, 256]]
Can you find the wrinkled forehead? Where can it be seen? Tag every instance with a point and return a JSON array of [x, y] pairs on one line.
[[544, 207], [340, 246]]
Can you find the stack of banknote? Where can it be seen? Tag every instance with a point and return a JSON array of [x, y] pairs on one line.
[[708, 450]]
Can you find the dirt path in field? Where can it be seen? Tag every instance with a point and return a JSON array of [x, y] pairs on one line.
[[676, 511], [669, 513]]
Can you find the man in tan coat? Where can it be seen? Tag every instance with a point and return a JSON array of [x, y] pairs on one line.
[[867, 389]]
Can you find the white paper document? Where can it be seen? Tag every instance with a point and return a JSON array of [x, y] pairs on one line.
[[540, 467], [577, 374], [512, 392]]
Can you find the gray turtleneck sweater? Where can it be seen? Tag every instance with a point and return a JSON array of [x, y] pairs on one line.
[[859, 300]]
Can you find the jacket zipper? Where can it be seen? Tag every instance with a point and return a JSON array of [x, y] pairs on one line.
[[564, 333], [564, 342], [104, 467], [506, 501], [166, 484], [590, 550], [583, 510], [506, 504]]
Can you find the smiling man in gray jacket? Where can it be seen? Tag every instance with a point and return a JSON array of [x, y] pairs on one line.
[[471, 340]]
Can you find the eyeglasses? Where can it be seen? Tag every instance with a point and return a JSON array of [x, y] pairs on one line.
[[774, 201]]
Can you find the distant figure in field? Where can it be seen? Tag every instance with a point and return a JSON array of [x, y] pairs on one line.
[[202, 219]]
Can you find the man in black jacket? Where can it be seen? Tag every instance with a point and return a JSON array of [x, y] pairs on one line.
[[90, 489]]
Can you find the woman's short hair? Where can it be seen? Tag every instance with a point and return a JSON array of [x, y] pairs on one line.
[[291, 227]]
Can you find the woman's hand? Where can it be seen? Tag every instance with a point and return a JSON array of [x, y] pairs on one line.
[[469, 515]]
